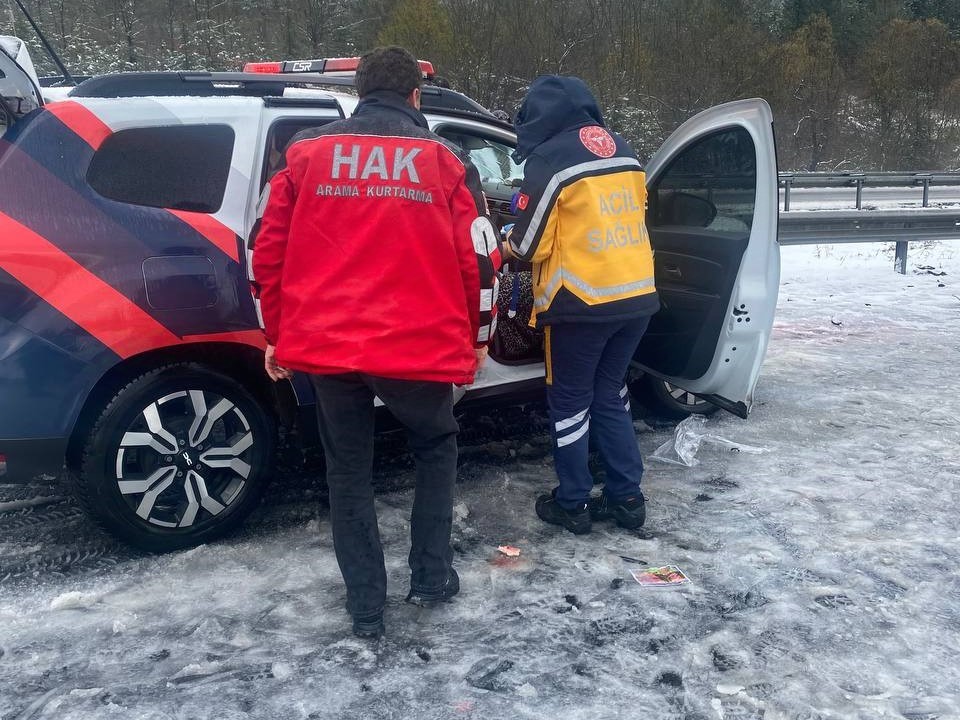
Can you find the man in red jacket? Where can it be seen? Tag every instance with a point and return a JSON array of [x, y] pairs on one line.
[[376, 269]]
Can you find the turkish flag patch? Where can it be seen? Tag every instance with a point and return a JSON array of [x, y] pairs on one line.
[[522, 201]]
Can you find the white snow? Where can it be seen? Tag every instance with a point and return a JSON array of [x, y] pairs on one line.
[[825, 580], [32, 502], [74, 599]]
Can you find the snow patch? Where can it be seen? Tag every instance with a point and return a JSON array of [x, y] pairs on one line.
[[74, 600], [282, 671], [199, 669], [527, 690], [729, 689]]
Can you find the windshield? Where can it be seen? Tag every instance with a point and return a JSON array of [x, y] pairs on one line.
[[499, 174], [495, 165]]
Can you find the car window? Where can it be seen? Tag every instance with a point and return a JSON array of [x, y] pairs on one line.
[[712, 184], [500, 175], [279, 136], [181, 167]]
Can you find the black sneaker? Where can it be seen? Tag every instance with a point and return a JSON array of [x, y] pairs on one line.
[[576, 521], [629, 513], [370, 626], [427, 598]]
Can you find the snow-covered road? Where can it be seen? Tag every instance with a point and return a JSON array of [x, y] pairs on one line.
[[825, 578]]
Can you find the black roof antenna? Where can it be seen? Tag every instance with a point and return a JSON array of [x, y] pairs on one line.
[[49, 48]]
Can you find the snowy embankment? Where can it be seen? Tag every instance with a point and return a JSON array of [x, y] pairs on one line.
[[824, 571]]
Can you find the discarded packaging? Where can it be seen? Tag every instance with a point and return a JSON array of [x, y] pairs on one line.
[[509, 550], [664, 576], [682, 448]]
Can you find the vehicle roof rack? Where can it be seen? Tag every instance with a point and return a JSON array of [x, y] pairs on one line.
[[227, 84], [184, 84], [61, 80]]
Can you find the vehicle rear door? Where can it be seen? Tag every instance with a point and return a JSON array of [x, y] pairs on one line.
[[282, 118], [712, 218], [19, 90]]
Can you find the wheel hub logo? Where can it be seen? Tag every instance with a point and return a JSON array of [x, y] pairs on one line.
[[186, 457]]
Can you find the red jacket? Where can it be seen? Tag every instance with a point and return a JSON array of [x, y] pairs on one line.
[[373, 255]]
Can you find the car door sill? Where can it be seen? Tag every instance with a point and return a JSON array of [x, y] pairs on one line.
[[739, 409]]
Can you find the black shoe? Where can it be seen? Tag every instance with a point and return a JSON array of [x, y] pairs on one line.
[[576, 521], [629, 513], [370, 626], [427, 598]]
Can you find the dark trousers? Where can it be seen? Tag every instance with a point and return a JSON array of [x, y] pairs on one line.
[[587, 396], [346, 415]]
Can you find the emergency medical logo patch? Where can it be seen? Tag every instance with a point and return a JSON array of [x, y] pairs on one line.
[[598, 141]]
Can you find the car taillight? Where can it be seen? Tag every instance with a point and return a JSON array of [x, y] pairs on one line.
[[3, 465]]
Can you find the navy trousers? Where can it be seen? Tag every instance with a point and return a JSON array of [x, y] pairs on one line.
[[587, 396]]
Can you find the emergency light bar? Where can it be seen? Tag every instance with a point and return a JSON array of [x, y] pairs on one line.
[[326, 65]]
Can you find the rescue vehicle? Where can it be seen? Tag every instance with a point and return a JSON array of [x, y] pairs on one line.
[[131, 355]]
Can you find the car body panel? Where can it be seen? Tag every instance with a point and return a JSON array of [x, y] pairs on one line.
[[75, 284]]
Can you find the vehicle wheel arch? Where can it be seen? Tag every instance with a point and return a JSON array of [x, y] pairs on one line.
[[242, 363], [660, 399]]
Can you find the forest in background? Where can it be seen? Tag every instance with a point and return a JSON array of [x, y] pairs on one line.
[[854, 84]]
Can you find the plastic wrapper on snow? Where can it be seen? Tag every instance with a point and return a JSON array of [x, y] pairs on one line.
[[682, 448]]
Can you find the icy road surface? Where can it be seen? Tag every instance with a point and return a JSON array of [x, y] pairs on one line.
[[824, 572]]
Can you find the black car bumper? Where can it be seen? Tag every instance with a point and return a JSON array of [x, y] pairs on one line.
[[23, 461]]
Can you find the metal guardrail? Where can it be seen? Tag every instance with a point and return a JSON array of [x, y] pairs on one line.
[[855, 226], [924, 180]]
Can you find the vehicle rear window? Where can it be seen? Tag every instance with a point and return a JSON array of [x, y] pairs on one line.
[[181, 167], [278, 138]]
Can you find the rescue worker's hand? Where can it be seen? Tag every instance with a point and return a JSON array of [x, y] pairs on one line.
[[481, 356], [270, 364]]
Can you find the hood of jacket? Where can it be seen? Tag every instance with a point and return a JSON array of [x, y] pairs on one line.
[[553, 104]]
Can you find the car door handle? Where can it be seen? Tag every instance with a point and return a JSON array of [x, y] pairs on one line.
[[673, 271]]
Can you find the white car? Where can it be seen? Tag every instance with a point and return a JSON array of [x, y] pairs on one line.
[[130, 351]]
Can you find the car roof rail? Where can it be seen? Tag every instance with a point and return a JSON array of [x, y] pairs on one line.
[[185, 84], [61, 80], [226, 84]]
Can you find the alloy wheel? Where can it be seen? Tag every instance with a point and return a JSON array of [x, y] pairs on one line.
[[184, 459]]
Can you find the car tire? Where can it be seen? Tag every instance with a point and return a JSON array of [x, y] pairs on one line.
[[178, 457], [662, 399]]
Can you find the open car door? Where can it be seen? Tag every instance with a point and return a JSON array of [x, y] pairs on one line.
[[19, 90], [712, 217]]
